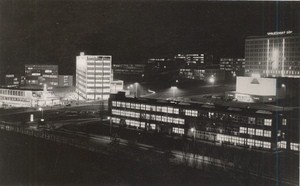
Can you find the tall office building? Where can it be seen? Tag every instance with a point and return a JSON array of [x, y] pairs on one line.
[[93, 76], [275, 55], [38, 75]]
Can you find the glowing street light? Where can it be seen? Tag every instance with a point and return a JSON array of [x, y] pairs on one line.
[[136, 88], [193, 130], [174, 88], [41, 109], [212, 80]]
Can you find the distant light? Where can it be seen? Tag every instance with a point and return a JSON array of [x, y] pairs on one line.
[[283, 85], [173, 87], [176, 80], [255, 75], [42, 119], [40, 109], [193, 129], [211, 79]]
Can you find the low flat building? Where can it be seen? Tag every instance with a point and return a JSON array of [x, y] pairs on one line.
[[16, 97], [250, 126], [233, 66], [257, 89]]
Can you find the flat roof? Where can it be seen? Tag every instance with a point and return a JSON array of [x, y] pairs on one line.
[[273, 36], [204, 102]]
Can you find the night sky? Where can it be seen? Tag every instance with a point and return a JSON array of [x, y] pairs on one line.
[[54, 32]]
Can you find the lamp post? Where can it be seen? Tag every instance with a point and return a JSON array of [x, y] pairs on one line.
[[41, 109], [193, 130]]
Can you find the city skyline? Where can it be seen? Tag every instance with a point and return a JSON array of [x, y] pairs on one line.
[[47, 32]]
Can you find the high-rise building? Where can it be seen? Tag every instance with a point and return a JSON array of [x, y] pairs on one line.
[[93, 76], [233, 66], [276, 54], [39, 75]]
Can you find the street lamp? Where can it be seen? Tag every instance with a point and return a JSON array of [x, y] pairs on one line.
[[212, 80], [193, 130], [174, 88], [41, 109]]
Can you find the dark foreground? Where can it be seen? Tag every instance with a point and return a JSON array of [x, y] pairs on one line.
[[27, 160]]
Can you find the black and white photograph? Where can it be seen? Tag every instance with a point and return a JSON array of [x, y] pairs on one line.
[[154, 93]]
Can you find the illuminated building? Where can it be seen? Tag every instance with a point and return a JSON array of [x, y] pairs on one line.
[[93, 76], [196, 60], [263, 127], [274, 55], [12, 80], [65, 80], [16, 97], [233, 66], [201, 74], [38, 75], [116, 86], [257, 89], [130, 72]]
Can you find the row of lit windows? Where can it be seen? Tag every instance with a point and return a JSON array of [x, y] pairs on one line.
[[191, 113], [295, 146], [134, 123], [12, 92], [162, 118], [137, 106], [257, 132], [187, 112], [243, 141], [177, 130], [125, 113], [14, 99]]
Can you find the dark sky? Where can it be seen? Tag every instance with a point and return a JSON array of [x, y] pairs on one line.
[[54, 32]]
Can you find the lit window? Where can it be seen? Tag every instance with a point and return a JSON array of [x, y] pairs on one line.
[[165, 109], [114, 104], [281, 144], [294, 146], [243, 130], [268, 122], [152, 126], [251, 131], [284, 122], [164, 119], [158, 118], [142, 124], [267, 145], [176, 111], [251, 120], [259, 132], [127, 105], [158, 109], [148, 107], [258, 143], [170, 110], [143, 107], [250, 142], [267, 133], [210, 115]]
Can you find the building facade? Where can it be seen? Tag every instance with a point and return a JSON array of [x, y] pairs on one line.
[[259, 127], [274, 55], [38, 75], [65, 80], [233, 66], [26, 98], [93, 76], [201, 74]]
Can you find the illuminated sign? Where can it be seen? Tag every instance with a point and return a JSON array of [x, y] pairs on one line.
[[243, 98], [279, 33]]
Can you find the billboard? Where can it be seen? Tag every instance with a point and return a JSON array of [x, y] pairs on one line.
[[256, 86]]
